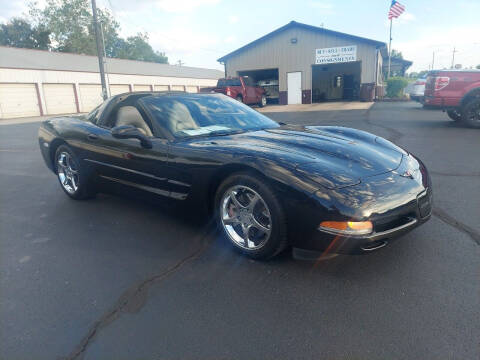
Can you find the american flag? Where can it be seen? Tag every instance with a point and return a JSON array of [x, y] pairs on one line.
[[396, 9]]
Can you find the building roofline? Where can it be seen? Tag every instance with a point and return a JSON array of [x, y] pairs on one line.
[[403, 61], [292, 24], [60, 54]]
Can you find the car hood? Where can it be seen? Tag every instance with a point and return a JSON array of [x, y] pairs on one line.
[[331, 156]]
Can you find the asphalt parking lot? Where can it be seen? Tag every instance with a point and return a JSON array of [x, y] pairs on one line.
[[114, 278]]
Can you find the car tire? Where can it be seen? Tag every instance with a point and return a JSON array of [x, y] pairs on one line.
[[263, 101], [73, 177], [454, 114], [239, 98], [265, 222], [471, 113]]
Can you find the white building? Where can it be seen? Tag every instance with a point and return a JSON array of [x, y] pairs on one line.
[[37, 82]]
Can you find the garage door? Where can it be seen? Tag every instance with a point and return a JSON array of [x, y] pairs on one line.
[[18, 100], [141, 88], [161, 87], [191, 89], [59, 98], [119, 89], [90, 96], [178, 88]]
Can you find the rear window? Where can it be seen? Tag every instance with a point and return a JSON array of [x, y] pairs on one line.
[[228, 82]]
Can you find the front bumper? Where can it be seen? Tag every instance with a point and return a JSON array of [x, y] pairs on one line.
[[387, 228]]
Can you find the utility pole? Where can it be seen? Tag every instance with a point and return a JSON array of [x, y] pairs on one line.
[[180, 63], [390, 51], [104, 58], [99, 51], [433, 60], [453, 58]]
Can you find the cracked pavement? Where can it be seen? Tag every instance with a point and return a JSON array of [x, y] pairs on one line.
[[117, 278]]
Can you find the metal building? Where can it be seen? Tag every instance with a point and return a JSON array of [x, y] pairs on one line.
[[37, 82], [309, 63]]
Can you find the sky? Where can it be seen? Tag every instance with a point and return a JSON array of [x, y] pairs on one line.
[[198, 32]]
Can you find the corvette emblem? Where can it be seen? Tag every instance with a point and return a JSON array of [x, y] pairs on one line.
[[408, 174]]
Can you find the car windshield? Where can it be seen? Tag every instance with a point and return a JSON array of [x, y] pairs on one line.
[[228, 82], [204, 115]]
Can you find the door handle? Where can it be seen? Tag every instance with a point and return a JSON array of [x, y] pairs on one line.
[[92, 137]]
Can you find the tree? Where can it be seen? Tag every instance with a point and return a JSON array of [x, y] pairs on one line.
[[397, 54], [137, 48], [19, 33], [70, 23], [422, 73], [395, 86], [478, 66]]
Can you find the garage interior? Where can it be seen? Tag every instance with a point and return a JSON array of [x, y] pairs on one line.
[[336, 81], [266, 78]]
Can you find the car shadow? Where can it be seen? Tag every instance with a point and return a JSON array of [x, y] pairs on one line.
[[178, 225]]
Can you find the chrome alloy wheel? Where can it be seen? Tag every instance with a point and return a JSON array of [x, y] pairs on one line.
[[245, 217], [67, 172]]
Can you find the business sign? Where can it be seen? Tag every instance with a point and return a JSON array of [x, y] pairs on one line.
[[333, 55]]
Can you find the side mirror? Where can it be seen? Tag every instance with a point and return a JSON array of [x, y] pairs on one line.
[[131, 132]]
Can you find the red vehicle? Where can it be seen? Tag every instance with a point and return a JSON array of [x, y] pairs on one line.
[[241, 88], [457, 92]]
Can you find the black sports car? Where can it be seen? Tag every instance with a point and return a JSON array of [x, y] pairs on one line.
[[316, 188]]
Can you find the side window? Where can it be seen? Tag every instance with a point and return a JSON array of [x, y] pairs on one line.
[[248, 81], [129, 115], [96, 113]]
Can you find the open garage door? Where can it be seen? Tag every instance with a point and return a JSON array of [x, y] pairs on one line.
[[119, 89], [18, 100], [267, 79], [59, 98], [161, 88], [141, 88], [90, 96], [336, 81]]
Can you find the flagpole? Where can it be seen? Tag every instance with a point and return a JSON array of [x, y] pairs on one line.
[[390, 50]]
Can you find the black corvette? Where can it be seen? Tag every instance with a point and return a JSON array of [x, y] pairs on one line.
[[316, 188]]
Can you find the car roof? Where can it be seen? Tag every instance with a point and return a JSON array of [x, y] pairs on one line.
[[454, 70]]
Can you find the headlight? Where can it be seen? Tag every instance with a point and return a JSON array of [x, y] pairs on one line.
[[347, 227]]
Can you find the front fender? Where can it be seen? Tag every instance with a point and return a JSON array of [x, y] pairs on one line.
[[472, 91]]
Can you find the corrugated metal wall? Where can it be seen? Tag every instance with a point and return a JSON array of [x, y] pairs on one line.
[[279, 52]]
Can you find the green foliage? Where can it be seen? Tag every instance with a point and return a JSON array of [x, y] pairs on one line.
[[19, 33], [137, 48], [397, 54], [69, 23], [395, 86], [478, 66], [416, 75], [67, 26], [422, 73]]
